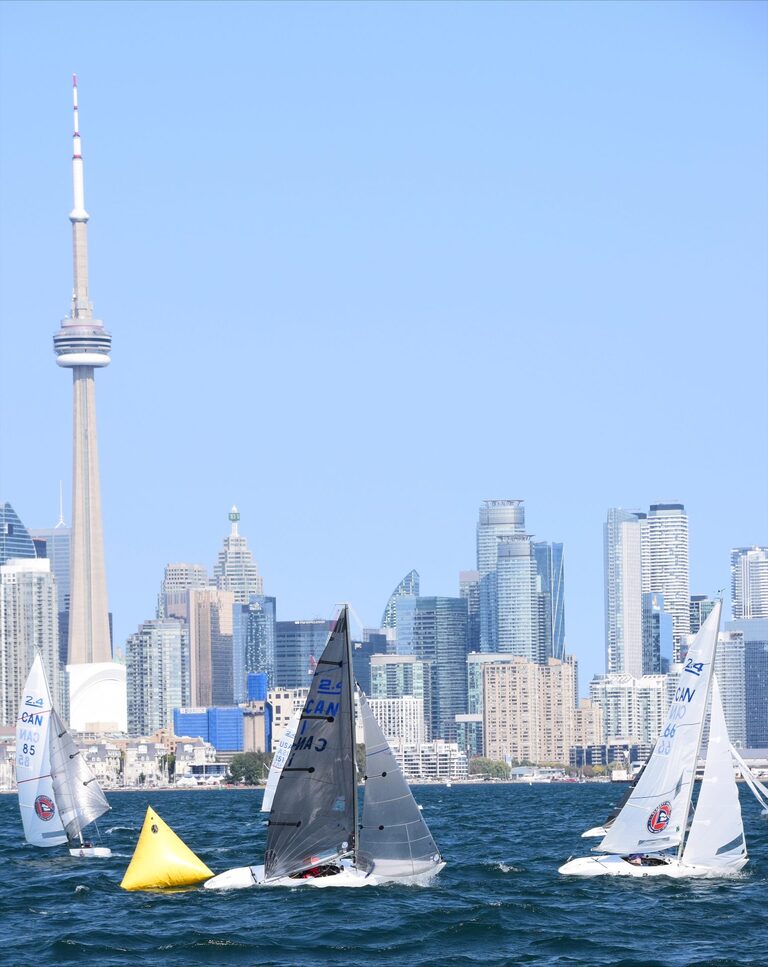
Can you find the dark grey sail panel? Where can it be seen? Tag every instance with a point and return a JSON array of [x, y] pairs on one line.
[[78, 795], [394, 839], [313, 818]]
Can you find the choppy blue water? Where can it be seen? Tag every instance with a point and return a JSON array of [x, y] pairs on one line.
[[499, 901]]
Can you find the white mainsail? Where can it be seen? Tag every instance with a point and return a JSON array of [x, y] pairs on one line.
[[78, 795], [655, 816], [279, 760], [716, 838], [40, 816]]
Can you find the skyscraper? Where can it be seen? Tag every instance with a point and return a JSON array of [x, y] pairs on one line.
[[254, 628], [236, 569], [55, 543], [298, 644], [469, 589], [700, 609], [749, 582], [520, 611], [550, 566], [210, 646], [497, 518], [157, 674], [657, 635], [407, 588], [754, 633], [82, 344], [173, 600], [623, 589], [15, 540], [665, 563]]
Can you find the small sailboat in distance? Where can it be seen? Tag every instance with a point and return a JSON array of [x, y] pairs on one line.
[[313, 835], [58, 794], [653, 834]]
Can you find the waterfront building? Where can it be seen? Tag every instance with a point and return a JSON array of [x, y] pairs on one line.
[[622, 559], [529, 710], [400, 719], [28, 622], [284, 702], [431, 761], [665, 564], [407, 588], [236, 570], [497, 518], [730, 669], [550, 567], [520, 605], [700, 610], [222, 727], [434, 629], [298, 645], [657, 635], [157, 674], [403, 676], [173, 600], [754, 632], [589, 724], [469, 589], [633, 708], [15, 540], [210, 646], [749, 582], [254, 629]]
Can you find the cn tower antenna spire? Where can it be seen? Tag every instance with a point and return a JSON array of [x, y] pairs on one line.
[[81, 306]]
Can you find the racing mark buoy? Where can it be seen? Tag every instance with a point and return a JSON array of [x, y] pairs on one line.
[[161, 859]]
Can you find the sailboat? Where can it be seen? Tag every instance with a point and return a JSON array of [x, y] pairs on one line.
[[279, 759], [656, 833], [602, 830], [58, 794], [313, 834]]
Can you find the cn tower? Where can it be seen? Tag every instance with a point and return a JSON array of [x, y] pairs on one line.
[[83, 345]]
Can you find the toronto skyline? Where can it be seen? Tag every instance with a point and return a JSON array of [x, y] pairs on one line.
[[359, 289]]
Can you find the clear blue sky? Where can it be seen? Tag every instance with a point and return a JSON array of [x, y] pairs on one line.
[[367, 264]]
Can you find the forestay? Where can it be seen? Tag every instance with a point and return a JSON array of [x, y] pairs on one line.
[[716, 838], [312, 819], [37, 803], [78, 795], [279, 760], [654, 817], [394, 839]]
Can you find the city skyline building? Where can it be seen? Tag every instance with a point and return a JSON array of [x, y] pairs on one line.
[[298, 644], [622, 562], [657, 635], [404, 676], [700, 609], [749, 582], [497, 518], [407, 588], [157, 674], [210, 646], [520, 605], [178, 578], [665, 564], [55, 543], [15, 540], [236, 570], [633, 708], [254, 629], [550, 565], [754, 632], [469, 589]]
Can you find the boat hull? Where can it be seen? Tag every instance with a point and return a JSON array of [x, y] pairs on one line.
[[595, 831], [90, 852], [244, 877], [612, 865]]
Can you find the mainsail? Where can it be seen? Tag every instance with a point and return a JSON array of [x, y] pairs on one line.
[[37, 802], [394, 839], [716, 838], [279, 760], [77, 793], [313, 814], [655, 816]]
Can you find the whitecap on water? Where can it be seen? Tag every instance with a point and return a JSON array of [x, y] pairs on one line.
[[507, 868], [80, 888]]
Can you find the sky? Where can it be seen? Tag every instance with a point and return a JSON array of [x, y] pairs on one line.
[[367, 265]]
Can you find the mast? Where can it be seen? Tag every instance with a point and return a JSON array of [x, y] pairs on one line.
[[684, 837], [351, 693]]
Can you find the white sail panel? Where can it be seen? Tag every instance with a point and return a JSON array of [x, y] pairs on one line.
[[79, 797], [654, 817], [394, 839], [716, 838], [279, 760], [37, 803]]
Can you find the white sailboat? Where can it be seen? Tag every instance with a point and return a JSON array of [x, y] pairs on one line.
[[313, 835], [278, 761], [653, 834], [58, 794]]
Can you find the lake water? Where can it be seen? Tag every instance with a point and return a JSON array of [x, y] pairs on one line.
[[499, 900]]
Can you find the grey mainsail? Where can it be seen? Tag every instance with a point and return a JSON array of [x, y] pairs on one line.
[[78, 795], [394, 839], [313, 819]]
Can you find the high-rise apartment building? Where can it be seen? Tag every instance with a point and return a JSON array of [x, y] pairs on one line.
[[15, 540], [157, 674], [298, 645], [520, 604], [634, 708], [665, 564], [657, 635], [407, 588], [173, 600], [700, 610], [236, 570], [730, 669], [404, 676], [254, 629], [210, 646], [754, 632], [469, 589], [623, 589], [434, 629], [400, 719], [28, 621], [55, 544], [749, 582], [497, 518], [550, 567]]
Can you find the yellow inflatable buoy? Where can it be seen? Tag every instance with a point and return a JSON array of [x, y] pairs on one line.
[[161, 859]]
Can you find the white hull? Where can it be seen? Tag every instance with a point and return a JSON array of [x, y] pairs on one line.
[[349, 877], [595, 831], [90, 852], [612, 865]]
